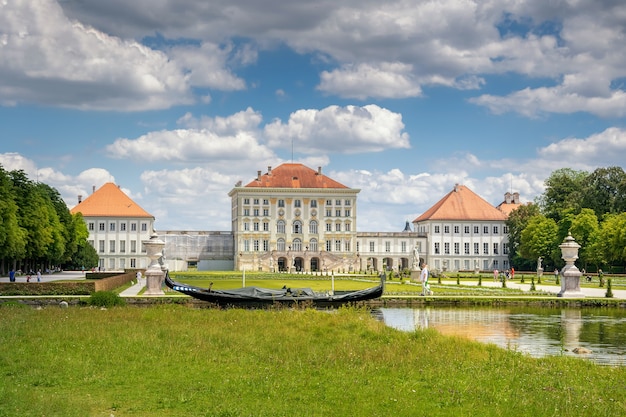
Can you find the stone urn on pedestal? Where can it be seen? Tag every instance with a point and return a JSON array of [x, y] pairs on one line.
[[570, 282], [154, 273]]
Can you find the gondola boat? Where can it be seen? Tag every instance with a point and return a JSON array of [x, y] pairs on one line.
[[264, 296]]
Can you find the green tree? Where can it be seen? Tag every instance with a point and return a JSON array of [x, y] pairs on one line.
[[584, 228], [12, 236], [564, 190], [516, 223], [539, 239], [612, 238], [603, 190]]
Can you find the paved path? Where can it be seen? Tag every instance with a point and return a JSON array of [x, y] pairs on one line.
[[133, 290]]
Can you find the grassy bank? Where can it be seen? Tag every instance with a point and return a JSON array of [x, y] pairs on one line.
[[177, 361]]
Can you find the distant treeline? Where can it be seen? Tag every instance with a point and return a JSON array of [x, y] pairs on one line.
[[590, 206], [37, 230]]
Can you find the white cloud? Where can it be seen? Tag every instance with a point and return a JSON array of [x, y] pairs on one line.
[[349, 129]]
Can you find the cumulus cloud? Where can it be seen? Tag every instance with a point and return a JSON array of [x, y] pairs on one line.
[[349, 129]]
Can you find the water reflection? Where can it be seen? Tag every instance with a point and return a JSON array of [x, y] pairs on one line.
[[536, 331]]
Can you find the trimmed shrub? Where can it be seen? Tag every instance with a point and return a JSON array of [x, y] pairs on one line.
[[105, 299]]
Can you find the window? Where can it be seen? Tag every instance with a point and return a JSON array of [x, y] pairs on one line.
[[505, 229], [505, 248], [266, 227], [446, 248], [347, 202], [466, 249], [101, 227], [337, 202], [246, 212], [265, 201], [476, 230], [296, 245], [347, 212], [111, 246], [133, 263], [437, 229], [266, 212], [256, 201], [466, 230], [246, 226], [495, 230], [456, 248], [133, 246], [338, 227], [297, 227], [256, 212], [281, 203], [346, 227], [266, 245], [313, 203], [338, 245], [133, 227], [456, 230], [313, 245], [372, 246], [329, 227], [402, 246], [446, 229], [123, 227], [101, 246], [329, 202], [387, 246], [246, 245], [296, 203], [256, 226], [437, 248], [255, 245], [338, 213], [92, 226], [144, 227], [280, 245], [280, 226], [486, 230], [313, 227], [476, 249], [329, 212], [246, 201], [485, 248], [122, 246], [495, 248], [346, 246], [329, 246]]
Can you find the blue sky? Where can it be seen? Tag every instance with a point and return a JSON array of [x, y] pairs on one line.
[[176, 101]]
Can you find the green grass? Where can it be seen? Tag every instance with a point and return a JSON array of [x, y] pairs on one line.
[[176, 361]]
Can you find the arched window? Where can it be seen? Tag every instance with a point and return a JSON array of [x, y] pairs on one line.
[[280, 245], [280, 226], [313, 227], [313, 245], [296, 245], [297, 227]]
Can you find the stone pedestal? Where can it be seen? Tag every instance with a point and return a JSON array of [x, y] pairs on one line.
[[154, 273], [415, 275], [570, 282]]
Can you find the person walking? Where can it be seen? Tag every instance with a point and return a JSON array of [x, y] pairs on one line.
[[12, 275], [424, 278], [39, 275]]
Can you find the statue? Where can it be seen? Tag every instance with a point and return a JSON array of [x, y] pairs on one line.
[[539, 263], [416, 258]]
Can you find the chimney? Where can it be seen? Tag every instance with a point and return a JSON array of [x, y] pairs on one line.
[[507, 198], [80, 198], [319, 170], [258, 175], [93, 189], [516, 198], [269, 170]]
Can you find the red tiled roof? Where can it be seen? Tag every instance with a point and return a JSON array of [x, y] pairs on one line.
[[294, 176], [109, 201], [462, 204]]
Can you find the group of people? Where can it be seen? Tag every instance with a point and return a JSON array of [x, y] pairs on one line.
[[508, 274], [29, 276]]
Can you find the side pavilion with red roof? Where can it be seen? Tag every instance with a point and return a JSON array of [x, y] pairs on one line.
[[117, 227], [463, 232]]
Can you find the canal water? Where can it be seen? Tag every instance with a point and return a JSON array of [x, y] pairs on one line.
[[537, 332]]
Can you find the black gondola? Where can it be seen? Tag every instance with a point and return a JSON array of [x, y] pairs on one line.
[[265, 296]]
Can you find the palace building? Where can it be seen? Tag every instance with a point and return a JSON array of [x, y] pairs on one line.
[[294, 218]]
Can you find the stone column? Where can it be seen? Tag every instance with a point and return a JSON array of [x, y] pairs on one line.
[[154, 274], [570, 282]]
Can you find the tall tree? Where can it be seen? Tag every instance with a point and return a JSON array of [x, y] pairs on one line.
[[539, 239], [517, 221], [584, 227], [564, 189], [603, 190], [12, 236]]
